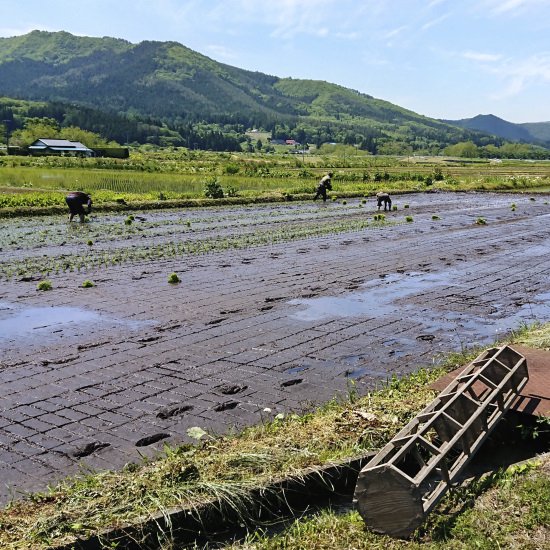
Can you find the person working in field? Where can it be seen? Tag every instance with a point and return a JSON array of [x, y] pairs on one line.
[[383, 198], [76, 201], [324, 185]]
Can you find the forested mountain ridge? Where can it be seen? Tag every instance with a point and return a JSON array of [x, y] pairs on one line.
[[165, 93], [534, 132]]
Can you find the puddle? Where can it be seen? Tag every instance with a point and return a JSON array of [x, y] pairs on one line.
[[384, 297], [20, 322], [376, 298]]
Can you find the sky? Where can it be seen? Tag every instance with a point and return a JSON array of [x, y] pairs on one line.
[[447, 59]]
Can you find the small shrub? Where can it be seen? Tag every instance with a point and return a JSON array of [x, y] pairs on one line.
[[379, 217], [188, 223], [213, 189], [173, 278], [231, 169], [481, 221], [532, 199], [344, 202], [405, 206], [232, 192], [129, 220], [44, 285], [87, 284], [435, 217], [90, 243], [409, 219], [394, 208], [364, 201], [513, 206]]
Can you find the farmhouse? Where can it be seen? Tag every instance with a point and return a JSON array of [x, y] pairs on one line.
[[62, 147]]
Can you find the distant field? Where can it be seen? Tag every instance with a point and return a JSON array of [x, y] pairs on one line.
[[26, 181]]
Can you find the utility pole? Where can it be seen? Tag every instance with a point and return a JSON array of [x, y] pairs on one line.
[[7, 125]]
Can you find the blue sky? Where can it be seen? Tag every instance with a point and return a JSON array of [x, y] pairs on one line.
[[441, 58]]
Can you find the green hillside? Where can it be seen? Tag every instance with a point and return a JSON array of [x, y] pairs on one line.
[[166, 93]]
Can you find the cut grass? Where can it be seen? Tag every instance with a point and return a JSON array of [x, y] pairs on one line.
[[227, 468], [510, 509]]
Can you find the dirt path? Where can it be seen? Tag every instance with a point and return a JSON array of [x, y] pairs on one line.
[[96, 377]]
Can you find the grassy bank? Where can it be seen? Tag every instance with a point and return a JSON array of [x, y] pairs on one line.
[[229, 467]]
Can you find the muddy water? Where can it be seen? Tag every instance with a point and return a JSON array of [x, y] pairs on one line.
[[386, 297], [18, 322]]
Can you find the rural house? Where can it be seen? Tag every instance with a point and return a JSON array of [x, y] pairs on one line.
[[62, 147]]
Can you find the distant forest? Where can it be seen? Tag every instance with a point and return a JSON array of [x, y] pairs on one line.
[[164, 94]]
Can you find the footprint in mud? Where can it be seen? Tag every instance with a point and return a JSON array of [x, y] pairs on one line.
[[170, 412], [231, 389], [275, 255], [147, 339], [346, 243], [215, 321], [150, 439], [89, 448], [292, 382], [270, 299], [227, 406], [426, 337], [303, 250], [324, 246]]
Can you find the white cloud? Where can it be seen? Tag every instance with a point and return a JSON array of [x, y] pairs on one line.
[[499, 7], [482, 57], [522, 74], [435, 22], [395, 32]]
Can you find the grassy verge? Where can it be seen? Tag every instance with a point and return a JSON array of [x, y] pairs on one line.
[[227, 467], [510, 509]]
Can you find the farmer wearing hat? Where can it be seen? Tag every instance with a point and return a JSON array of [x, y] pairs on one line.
[[324, 185]]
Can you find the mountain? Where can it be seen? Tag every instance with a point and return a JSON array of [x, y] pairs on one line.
[[537, 133], [171, 87]]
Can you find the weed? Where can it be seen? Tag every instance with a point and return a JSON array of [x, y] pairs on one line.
[[405, 206], [90, 243], [409, 219], [44, 285], [88, 284], [435, 217], [394, 208], [173, 278], [481, 221]]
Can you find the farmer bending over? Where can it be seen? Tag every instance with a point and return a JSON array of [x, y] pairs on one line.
[[383, 198], [76, 201], [324, 185]]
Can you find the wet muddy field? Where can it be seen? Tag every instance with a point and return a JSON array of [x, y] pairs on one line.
[[280, 307]]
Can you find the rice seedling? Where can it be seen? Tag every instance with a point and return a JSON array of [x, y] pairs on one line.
[[44, 285]]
